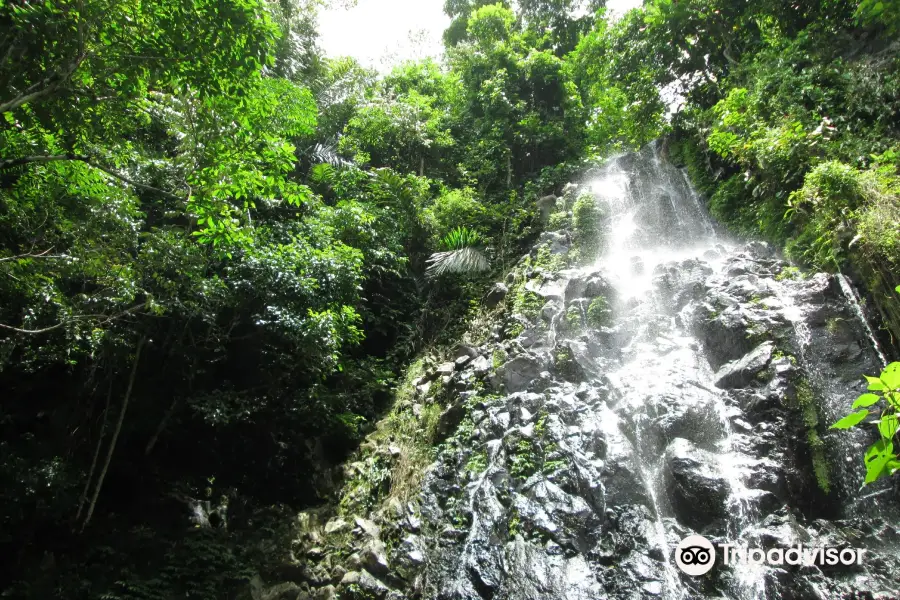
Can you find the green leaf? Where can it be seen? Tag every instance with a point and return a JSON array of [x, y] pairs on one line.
[[888, 426], [875, 384], [893, 399], [866, 400], [878, 456], [851, 420], [891, 375]]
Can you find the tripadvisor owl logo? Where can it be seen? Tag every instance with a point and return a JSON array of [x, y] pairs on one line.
[[695, 555]]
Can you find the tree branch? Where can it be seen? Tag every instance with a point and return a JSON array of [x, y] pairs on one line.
[[16, 162], [40, 255], [105, 320], [90, 477], [42, 87], [115, 437]]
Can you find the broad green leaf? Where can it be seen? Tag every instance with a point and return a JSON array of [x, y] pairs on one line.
[[877, 458], [866, 400], [851, 420], [893, 399], [891, 375], [875, 384], [888, 426]]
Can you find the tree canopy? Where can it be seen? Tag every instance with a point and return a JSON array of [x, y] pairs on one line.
[[219, 247]]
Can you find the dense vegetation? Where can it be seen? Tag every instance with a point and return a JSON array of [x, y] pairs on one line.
[[215, 240]]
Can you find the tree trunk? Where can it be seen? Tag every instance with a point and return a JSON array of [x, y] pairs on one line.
[[161, 427], [421, 165], [90, 477], [115, 437]]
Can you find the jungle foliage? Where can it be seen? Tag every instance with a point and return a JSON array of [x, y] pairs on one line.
[[215, 240]]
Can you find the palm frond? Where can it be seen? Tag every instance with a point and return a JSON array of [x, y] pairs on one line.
[[327, 153], [459, 238], [463, 260]]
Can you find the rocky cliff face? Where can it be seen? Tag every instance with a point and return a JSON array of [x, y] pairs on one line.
[[637, 378]]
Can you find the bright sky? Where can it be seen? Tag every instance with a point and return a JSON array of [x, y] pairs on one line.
[[380, 33]]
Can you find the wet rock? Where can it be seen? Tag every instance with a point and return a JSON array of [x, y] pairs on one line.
[[697, 490], [374, 558], [741, 373], [446, 369], [532, 573], [336, 525], [546, 205], [496, 295], [518, 374], [760, 250], [367, 528], [465, 350], [694, 419], [366, 582], [462, 361], [481, 365], [328, 592], [423, 389], [551, 310], [281, 591], [723, 334], [588, 286], [557, 241], [450, 420]]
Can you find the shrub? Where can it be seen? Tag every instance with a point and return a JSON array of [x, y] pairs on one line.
[[587, 219], [598, 312]]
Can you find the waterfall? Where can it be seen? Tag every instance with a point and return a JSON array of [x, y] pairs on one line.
[[700, 406]]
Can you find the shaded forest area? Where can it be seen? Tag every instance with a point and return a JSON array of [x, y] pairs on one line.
[[215, 241]]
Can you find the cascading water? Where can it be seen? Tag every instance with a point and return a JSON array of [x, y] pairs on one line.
[[697, 403]]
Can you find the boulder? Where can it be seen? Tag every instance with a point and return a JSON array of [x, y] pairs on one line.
[[518, 373], [446, 369], [465, 350], [450, 420], [740, 373], [336, 525], [697, 489], [367, 583], [481, 365], [724, 334], [367, 528], [496, 295], [546, 205], [462, 361]]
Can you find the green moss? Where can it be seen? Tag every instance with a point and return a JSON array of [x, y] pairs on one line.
[[789, 273], [598, 312], [553, 263], [498, 358], [477, 462], [587, 219], [515, 330], [528, 304], [809, 412], [559, 220], [377, 476], [524, 459], [514, 527], [573, 318], [565, 364]]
